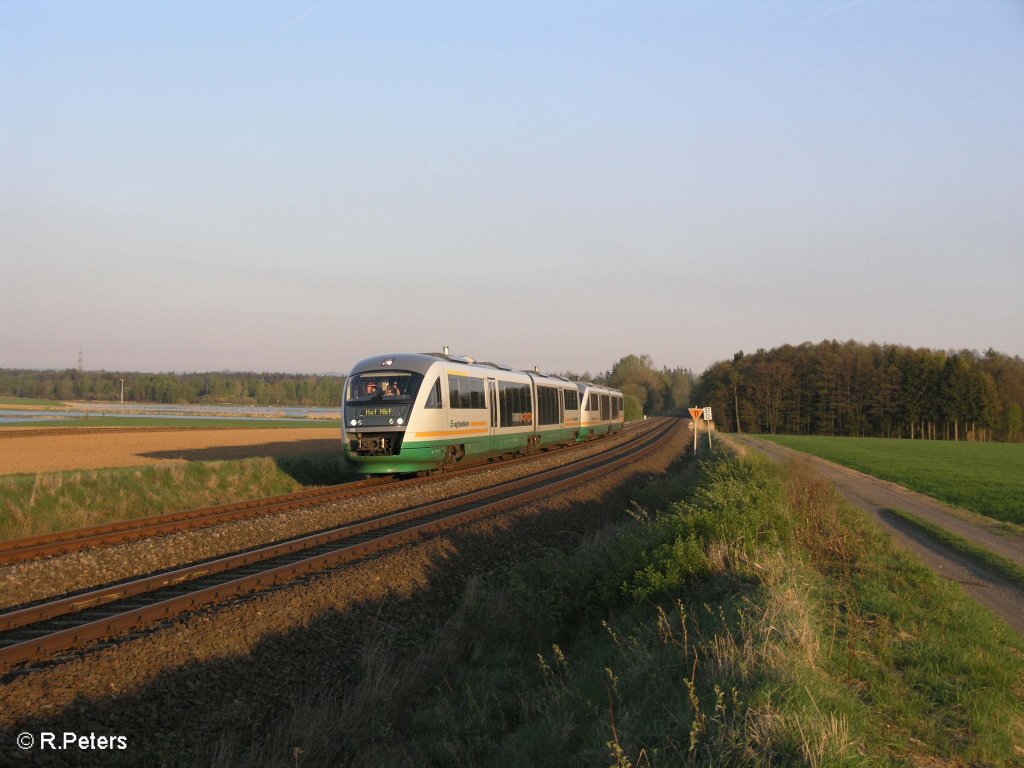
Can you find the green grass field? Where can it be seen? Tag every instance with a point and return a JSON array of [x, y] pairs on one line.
[[987, 478], [185, 423]]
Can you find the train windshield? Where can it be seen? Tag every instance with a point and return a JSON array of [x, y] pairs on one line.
[[383, 385]]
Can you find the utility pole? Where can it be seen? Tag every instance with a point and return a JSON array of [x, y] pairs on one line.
[[122, 391]]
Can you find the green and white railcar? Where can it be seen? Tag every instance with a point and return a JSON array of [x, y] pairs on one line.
[[418, 412], [602, 410], [557, 410]]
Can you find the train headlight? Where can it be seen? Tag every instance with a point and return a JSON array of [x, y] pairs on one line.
[[391, 421], [352, 423], [401, 421]]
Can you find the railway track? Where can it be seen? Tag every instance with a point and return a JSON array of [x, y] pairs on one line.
[[36, 632], [121, 531]]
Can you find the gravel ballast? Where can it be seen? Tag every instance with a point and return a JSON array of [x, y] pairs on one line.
[[31, 581]]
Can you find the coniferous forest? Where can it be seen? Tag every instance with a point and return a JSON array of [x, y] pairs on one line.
[[868, 390]]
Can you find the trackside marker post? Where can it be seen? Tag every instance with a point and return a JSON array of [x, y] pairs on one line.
[[707, 418]]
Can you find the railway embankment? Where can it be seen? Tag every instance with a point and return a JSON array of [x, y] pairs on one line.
[[274, 647], [734, 612]]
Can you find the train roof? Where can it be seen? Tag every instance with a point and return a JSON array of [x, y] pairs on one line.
[[420, 362]]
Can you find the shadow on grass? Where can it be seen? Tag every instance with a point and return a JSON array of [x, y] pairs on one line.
[[308, 462], [276, 450], [318, 469]]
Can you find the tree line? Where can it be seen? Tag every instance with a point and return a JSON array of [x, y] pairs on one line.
[[869, 390], [184, 388], [645, 388]]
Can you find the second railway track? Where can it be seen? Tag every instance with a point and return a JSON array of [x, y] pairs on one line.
[[56, 625], [121, 531]]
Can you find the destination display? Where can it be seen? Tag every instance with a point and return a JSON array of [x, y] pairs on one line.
[[376, 415]]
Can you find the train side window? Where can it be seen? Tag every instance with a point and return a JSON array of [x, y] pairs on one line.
[[477, 398], [434, 398], [572, 400], [547, 405], [514, 404], [466, 392]]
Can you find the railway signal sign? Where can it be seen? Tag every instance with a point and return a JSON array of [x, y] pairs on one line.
[[695, 413]]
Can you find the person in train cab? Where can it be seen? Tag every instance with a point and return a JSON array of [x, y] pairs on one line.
[[371, 388], [391, 389]]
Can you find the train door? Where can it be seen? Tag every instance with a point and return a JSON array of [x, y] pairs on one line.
[[492, 394]]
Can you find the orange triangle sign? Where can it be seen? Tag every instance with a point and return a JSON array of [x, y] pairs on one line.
[[696, 413]]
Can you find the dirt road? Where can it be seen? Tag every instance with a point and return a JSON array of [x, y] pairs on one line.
[[68, 450], [877, 497]]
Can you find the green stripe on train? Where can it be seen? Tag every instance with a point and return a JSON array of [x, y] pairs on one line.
[[420, 455]]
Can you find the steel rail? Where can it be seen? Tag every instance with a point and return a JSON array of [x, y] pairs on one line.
[[122, 531], [467, 507], [81, 600]]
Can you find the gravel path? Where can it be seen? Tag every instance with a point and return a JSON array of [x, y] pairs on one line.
[[27, 582], [229, 671], [877, 497]]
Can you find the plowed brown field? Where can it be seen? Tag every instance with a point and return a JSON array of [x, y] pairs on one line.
[[95, 449]]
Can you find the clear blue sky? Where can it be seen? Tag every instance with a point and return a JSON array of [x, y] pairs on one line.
[[295, 186]]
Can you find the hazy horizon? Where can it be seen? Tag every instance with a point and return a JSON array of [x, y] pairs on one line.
[[593, 371], [296, 186]]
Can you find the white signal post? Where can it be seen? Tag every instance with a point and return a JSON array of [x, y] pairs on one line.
[[707, 417]]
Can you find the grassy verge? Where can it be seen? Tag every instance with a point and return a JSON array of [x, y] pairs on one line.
[[176, 423], [747, 619], [46, 502], [987, 478], [1001, 565]]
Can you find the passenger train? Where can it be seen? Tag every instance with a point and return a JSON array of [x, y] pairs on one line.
[[409, 413]]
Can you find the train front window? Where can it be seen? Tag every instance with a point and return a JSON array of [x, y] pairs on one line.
[[383, 385]]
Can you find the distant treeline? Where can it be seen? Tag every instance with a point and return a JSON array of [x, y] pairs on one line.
[[647, 389], [870, 390], [238, 388]]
